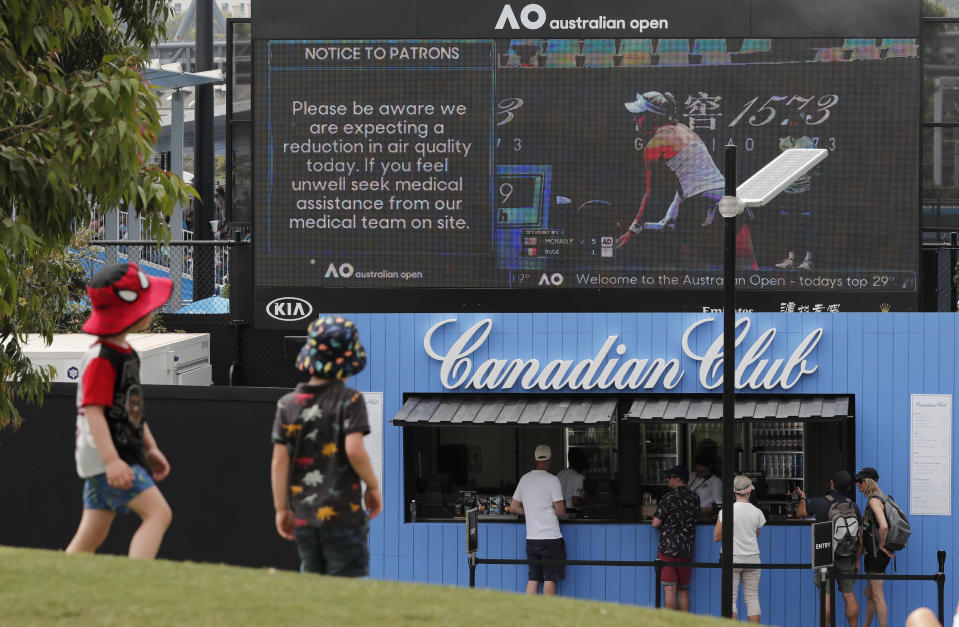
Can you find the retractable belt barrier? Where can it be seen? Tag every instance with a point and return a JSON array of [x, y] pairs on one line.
[[939, 578]]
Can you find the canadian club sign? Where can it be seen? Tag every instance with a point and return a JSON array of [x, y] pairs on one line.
[[611, 368]]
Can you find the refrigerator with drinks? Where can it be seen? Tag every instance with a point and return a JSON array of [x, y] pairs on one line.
[[598, 444], [660, 451]]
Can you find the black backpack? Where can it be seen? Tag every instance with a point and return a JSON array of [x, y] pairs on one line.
[[845, 527]]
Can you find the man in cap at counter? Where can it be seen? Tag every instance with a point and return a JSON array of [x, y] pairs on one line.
[[539, 496], [675, 518]]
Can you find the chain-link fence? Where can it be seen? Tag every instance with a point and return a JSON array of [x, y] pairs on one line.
[[200, 270]]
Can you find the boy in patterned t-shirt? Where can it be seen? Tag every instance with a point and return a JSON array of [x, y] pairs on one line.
[[319, 459]]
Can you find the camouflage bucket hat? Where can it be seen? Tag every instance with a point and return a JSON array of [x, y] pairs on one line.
[[332, 349]]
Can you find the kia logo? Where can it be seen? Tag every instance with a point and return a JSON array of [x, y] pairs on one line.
[[288, 309]]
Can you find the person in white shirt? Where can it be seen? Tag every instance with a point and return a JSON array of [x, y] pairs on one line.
[[539, 497], [571, 479], [707, 486], [748, 521]]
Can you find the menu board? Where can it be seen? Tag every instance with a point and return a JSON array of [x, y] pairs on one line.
[[373, 441], [930, 455]]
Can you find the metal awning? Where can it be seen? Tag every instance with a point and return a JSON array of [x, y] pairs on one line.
[[505, 410], [758, 407]]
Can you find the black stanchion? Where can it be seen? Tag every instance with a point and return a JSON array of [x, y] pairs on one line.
[[826, 577], [941, 584], [831, 582], [821, 577], [659, 584]]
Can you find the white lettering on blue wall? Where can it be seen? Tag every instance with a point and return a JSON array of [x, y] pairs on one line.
[[606, 370], [753, 371]]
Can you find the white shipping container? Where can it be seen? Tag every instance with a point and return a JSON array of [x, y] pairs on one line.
[[165, 358]]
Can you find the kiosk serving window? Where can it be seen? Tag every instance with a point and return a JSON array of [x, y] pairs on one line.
[[462, 451], [781, 442]]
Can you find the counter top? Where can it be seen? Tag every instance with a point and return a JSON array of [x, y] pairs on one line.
[[513, 518]]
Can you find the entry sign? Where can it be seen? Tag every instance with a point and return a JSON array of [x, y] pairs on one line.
[[821, 544], [472, 531]]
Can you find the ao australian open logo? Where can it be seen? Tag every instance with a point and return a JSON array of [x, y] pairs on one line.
[[289, 309]]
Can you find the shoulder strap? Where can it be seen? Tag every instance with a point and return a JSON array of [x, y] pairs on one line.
[[830, 498]]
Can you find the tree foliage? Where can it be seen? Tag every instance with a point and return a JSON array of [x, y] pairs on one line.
[[77, 127]]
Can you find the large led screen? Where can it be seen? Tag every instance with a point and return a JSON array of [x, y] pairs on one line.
[[596, 163]]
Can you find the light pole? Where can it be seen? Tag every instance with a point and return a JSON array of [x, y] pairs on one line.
[[762, 187], [729, 207]]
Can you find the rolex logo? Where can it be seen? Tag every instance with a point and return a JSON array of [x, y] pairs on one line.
[[885, 307]]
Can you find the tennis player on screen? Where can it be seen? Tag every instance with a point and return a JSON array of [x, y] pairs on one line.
[[681, 176]]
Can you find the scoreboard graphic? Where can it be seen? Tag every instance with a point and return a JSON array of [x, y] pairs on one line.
[[595, 163]]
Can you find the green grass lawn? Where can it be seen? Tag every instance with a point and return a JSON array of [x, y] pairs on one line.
[[47, 588]]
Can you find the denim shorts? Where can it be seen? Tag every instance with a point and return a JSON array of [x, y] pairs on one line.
[[340, 551], [99, 494]]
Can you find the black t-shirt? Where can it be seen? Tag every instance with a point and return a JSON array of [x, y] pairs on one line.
[[819, 506], [111, 378], [313, 421]]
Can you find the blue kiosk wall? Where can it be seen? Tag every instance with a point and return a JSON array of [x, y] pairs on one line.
[[879, 358]]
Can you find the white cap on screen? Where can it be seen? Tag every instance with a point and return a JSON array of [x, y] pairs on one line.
[[542, 453]]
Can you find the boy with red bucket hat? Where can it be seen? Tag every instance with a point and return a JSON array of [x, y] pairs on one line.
[[319, 459], [114, 443]]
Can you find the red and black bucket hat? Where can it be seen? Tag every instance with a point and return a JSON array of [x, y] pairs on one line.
[[121, 294]]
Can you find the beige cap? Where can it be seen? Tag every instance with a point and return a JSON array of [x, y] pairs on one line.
[[542, 453]]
